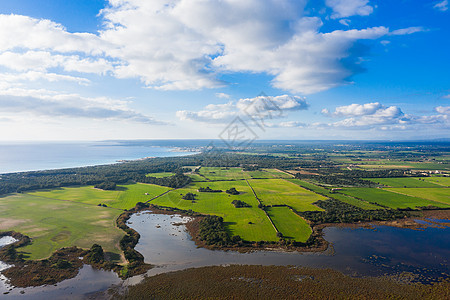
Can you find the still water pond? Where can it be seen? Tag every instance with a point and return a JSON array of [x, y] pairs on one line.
[[358, 252]]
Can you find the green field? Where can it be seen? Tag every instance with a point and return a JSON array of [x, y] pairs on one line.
[[388, 198], [412, 182], [196, 177], [280, 191], [53, 224], [160, 175], [125, 197], [289, 224], [236, 219], [443, 181], [261, 174], [337, 196], [441, 195], [215, 173]]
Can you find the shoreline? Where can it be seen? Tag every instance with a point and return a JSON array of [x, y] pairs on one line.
[[29, 273]]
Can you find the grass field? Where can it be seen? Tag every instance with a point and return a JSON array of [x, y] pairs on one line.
[[340, 197], [125, 197], [290, 224], [236, 219], [53, 224], [441, 195], [279, 191], [160, 175], [214, 173], [412, 182], [388, 198], [260, 174], [196, 177], [443, 181]]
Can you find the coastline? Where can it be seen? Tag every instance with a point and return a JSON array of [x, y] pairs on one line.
[[31, 157]]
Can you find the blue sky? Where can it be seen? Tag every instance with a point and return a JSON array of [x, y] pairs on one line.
[[129, 69]]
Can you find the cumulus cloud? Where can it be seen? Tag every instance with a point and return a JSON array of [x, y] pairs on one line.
[[367, 115], [260, 108], [348, 8], [378, 116], [442, 6], [187, 45]]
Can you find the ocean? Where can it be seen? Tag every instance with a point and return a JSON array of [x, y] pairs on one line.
[[33, 156]]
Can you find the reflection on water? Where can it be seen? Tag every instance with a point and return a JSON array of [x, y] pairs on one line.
[[87, 281], [358, 252], [6, 240]]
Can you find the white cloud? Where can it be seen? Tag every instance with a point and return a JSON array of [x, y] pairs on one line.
[[288, 124], [368, 115], [24, 32], [409, 30], [445, 110], [223, 96], [348, 8], [442, 6], [378, 116], [262, 107], [358, 109], [53, 104], [345, 22], [35, 76], [187, 45]]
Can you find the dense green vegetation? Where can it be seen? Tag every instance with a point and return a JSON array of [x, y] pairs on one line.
[[338, 212], [107, 186]]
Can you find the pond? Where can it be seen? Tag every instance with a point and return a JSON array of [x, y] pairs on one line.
[[357, 252], [6, 240]]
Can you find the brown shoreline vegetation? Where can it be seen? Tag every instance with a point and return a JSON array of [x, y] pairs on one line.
[[275, 282]]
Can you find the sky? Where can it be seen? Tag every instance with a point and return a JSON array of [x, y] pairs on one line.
[[198, 69]]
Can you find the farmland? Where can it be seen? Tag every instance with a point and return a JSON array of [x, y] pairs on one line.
[[250, 223], [53, 224], [389, 199], [125, 197], [290, 224], [440, 195], [341, 197], [279, 192], [214, 173]]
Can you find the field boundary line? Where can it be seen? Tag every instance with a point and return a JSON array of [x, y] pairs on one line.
[[160, 195], [259, 201]]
